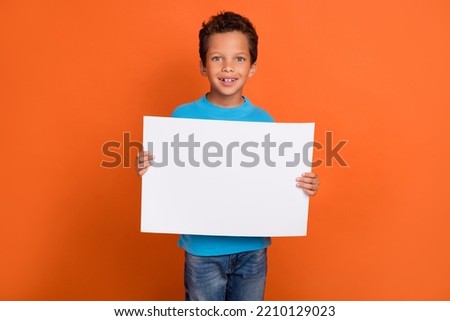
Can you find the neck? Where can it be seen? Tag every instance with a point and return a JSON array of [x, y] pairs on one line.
[[225, 101]]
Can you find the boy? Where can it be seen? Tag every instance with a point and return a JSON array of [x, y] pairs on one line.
[[221, 267]]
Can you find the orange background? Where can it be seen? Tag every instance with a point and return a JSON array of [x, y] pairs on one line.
[[75, 75]]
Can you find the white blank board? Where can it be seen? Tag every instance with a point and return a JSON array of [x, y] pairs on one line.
[[229, 178]]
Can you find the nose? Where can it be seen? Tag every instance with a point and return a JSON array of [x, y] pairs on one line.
[[228, 67]]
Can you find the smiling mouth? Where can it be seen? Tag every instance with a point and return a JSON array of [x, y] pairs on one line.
[[228, 80]]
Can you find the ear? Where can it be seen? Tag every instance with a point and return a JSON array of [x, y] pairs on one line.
[[202, 69], [252, 70]]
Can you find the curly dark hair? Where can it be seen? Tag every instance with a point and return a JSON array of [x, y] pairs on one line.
[[228, 21]]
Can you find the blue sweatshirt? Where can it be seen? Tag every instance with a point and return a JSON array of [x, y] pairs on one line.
[[204, 245]]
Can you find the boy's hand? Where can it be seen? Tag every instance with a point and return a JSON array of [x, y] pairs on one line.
[[143, 162], [309, 182]]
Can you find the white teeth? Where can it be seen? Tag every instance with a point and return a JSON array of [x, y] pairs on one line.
[[227, 80]]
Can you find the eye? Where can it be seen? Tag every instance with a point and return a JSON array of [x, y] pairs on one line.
[[240, 59], [216, 58]]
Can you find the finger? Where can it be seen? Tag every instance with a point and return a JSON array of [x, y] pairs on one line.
[[307, 186], [309, 174], [309, 192], [142, 165], [306, 180], [142, 171], [144, 162], [145, 158]]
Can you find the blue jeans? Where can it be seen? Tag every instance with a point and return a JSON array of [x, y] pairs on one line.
[[234, 277]]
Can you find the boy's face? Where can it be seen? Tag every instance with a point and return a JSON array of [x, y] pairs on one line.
[[227, 67]]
